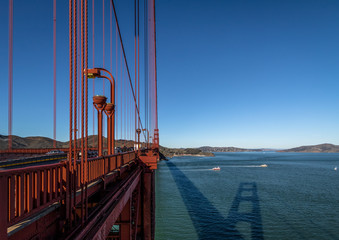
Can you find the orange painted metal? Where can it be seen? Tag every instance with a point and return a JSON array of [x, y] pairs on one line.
[[156, 139], [99, 226], [4, 206], [27, 191], [99, 103], [96, 73], [109, 111], [125, 221], [148, 205], [150, 158], [112, 89], [135, 214]]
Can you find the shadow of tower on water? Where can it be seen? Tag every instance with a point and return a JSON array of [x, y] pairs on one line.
[[207, 220]]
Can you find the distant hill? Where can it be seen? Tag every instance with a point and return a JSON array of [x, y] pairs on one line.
[[173, 152], [229, 149], [44, 142], [326, 147]]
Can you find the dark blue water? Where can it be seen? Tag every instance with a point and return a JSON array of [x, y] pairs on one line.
[[295, 197]]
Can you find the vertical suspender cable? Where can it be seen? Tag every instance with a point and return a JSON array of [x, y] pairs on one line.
[[138, 61], [82, 210], [86, 107], [10, 73], [150, 72], [54, 73], [75, 81], [93, 61], [103, 42], [111, 58], [79, 67], [155, 69], [125, 103], [117, 109], [135, 62], [78, 72], [75, 85], [146, 65], [70, 167], [122, 98], [110, 38], [103, 54], [83, 150]]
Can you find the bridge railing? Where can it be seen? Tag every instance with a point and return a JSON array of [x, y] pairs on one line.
[[98, 167], [26, 191]]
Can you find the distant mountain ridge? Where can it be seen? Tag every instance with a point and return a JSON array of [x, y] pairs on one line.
[[232, 149], [45, 142], [176, 152], [325, 147]]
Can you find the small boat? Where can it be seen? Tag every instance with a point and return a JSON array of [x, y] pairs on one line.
[[216, 168], [263, 165], [335, 168]]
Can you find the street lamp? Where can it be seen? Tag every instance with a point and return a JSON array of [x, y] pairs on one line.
[[138, 132], [109, 111], [99, 103], [97, 73]]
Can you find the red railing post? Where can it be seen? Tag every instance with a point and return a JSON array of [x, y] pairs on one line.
[[3, 207]]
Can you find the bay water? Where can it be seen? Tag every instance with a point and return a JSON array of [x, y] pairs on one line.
[[295, 197]]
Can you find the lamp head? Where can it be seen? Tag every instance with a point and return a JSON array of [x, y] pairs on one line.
[[93, 73], [99, 101]]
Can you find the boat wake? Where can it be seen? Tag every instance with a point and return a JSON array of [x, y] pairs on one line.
[[247, 166]]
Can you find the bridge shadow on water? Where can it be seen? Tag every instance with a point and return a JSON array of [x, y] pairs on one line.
[[207, 220]]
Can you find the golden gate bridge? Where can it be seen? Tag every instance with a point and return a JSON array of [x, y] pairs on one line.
[[72, 194]]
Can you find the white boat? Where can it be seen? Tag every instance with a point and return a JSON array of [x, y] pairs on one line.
[[263, 165], [216, 168], [335, 168]]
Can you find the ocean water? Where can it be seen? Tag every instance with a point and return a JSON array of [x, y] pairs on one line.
[[295, 197]]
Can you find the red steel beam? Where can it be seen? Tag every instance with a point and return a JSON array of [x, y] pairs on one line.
[[100, 225], [4, 189], [125, 217]]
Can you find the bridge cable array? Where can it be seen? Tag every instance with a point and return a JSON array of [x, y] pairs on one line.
[[128, 91]]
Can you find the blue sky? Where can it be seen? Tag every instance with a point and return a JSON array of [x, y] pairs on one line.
[[230, 73]]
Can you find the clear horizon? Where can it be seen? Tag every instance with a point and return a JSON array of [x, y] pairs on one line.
[[278, 148]]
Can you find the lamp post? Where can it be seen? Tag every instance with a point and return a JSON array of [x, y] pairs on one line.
[[99, 103], [109, 111], [138, 132], [96, 73]]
